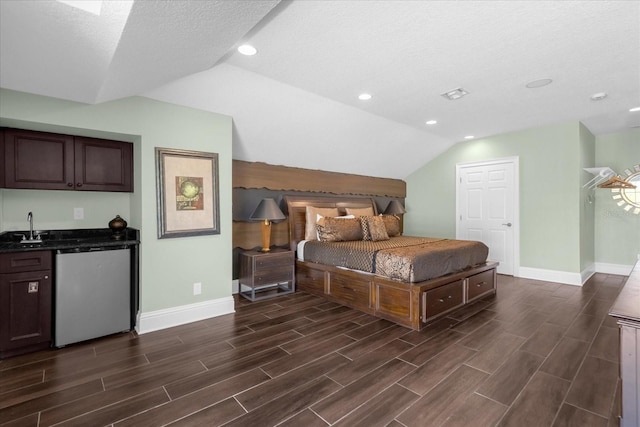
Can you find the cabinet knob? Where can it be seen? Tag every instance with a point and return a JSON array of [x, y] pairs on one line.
[[79, 184], [69, 184]]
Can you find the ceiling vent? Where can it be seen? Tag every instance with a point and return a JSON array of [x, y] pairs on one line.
[[454, 94]]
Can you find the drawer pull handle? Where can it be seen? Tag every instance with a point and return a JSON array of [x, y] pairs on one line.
[[481, 284], [442, 299]]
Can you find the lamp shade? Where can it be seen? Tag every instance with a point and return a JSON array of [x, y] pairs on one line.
[[395, 208], [267, 209]]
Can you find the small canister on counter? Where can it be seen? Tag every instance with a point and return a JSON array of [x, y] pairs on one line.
[[117, 225]]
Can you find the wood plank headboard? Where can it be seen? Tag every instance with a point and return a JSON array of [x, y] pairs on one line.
[[296, 207]]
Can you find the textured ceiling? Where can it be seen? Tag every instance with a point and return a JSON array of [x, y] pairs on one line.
[[53, 49], [295, 102]]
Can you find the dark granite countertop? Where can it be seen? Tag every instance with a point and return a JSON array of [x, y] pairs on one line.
[[627, 305], [53, 240]]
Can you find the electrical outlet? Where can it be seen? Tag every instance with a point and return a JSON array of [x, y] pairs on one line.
[[197, 288], [78, 213]]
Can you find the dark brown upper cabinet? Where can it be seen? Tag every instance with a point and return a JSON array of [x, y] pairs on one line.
[[49, 161]]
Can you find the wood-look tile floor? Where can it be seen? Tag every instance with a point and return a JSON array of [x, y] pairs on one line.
[[538, 354]]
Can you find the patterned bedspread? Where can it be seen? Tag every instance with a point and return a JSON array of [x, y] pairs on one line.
[[405, 258]]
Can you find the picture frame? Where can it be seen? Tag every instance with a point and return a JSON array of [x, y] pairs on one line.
[[188, 200]]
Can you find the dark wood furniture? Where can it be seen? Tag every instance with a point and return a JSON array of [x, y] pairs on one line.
[[49, 161], [25, 302], [409, 304], [626, 311], [266, 274], [253, 181]]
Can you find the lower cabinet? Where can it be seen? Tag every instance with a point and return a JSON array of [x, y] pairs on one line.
[[626, 311], [25, 302]]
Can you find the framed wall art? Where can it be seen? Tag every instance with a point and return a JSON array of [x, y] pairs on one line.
[[187, 193]]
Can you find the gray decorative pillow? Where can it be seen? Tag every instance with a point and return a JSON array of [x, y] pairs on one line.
[[339, 229], [373, 228]]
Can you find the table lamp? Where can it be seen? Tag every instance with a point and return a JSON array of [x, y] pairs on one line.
[[395, 208], [266, 212]]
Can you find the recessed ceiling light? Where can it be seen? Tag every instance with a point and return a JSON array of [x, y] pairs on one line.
[[364, 96], [634, 110], [431, 122], [598, 96], [469, 137], [454, 94], [538, 83], [247, 49]]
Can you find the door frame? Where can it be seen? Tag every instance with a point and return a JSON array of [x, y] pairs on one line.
[[515, 161]]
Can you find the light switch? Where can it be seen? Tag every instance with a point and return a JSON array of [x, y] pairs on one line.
[[78, 213]]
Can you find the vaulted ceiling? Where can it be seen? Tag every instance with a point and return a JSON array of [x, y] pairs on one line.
[[296, 101]]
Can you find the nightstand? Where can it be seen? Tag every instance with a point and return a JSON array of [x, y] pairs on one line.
[[269, 274]]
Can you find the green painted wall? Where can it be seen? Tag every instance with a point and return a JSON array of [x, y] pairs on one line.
[[550, 176], [617, 233], [169, 267], [586, 202], [561, 227]]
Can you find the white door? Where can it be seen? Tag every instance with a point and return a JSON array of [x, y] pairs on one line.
[[486, 208]]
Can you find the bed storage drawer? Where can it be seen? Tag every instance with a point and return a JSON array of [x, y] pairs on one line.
[[443, 298], [480, 284], [309, 280], [350, 291]]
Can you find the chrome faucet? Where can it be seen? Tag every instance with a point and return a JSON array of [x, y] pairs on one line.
[[30, 219], [31, 239]]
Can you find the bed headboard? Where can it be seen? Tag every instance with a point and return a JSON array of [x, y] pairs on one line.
[[296, 207]]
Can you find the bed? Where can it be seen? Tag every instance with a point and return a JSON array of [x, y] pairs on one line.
[[433, 277]]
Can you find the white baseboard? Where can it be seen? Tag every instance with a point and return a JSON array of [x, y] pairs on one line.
[[577, 279], [587, 273], [620, 269], [174, 316], [551, 276]]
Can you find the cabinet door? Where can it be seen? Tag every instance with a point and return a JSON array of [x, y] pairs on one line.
[[103, 165], [38, 160], [25, 310]]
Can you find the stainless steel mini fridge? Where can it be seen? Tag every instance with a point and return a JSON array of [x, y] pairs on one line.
[[92, 294]]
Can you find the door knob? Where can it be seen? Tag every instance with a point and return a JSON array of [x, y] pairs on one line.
[[507, 224]]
